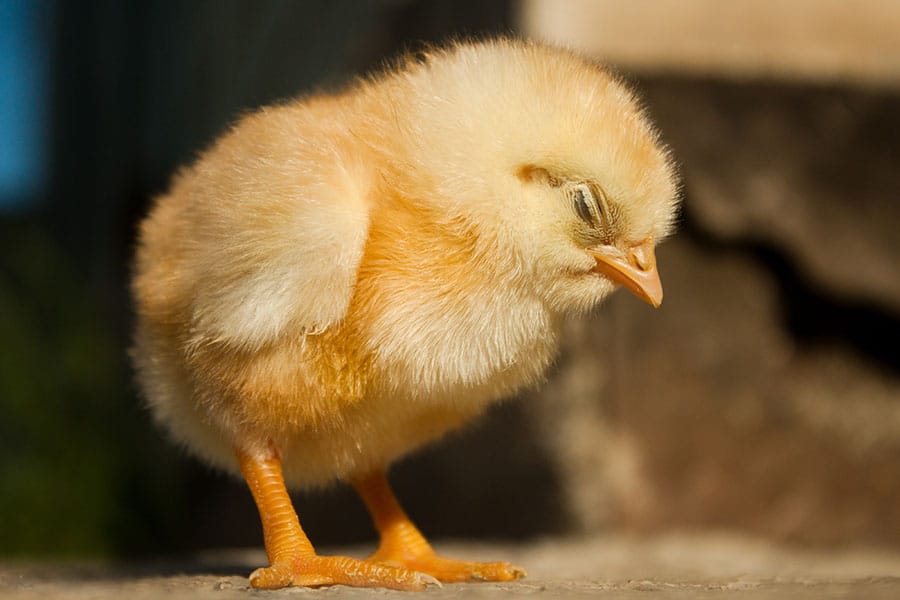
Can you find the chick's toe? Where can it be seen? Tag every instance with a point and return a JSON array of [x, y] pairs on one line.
[[311, 570], [402, 544]]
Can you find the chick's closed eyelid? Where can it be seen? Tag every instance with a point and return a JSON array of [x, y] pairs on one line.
[[588, 204], [581, 206]]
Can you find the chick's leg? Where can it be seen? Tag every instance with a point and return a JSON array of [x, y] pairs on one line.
[[403, 545], [292, 559]]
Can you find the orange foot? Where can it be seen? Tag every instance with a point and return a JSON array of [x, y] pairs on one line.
[[402, 545], [313, 571], [293, 559], [404, 560], [449, 570]]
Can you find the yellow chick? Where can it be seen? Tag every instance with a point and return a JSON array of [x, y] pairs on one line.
[[343, 278]]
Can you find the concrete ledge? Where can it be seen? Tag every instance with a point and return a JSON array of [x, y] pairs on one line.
[[816, 40]]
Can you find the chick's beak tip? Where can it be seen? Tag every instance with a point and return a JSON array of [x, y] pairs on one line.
[[634, 268]]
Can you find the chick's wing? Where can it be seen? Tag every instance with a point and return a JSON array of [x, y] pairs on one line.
[[278, 218]]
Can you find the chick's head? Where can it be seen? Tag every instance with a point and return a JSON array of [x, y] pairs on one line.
[[551, 159]]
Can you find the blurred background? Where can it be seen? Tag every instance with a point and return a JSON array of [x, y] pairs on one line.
[[763, 397]]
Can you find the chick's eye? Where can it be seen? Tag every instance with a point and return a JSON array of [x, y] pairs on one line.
[[586, 204]]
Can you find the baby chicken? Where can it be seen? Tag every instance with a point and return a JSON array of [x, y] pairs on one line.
[[343, 278]]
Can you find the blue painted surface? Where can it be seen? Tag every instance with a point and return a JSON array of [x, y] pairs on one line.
[[23, 102]]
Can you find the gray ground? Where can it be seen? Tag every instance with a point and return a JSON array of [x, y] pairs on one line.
[[675, 566]]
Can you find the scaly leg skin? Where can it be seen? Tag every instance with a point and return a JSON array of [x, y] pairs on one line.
[[292, 560], [402, 545]]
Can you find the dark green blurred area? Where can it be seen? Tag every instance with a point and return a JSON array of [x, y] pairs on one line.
[[134, 90], [79, 469]]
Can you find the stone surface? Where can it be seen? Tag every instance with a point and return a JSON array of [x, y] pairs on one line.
[[671, 567], [740, 424]]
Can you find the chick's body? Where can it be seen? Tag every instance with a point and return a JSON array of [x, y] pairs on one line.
[[341, 279], [424, 345]]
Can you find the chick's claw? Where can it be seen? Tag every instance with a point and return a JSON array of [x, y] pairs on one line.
[[316, 571], [449, 570], [457, 571]]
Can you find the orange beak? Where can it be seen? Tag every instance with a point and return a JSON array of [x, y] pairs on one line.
[[635, 268]]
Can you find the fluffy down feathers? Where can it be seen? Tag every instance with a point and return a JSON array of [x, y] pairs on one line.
[[348, 277]]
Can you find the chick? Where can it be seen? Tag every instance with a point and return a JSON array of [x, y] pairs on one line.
[[343, 278]]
